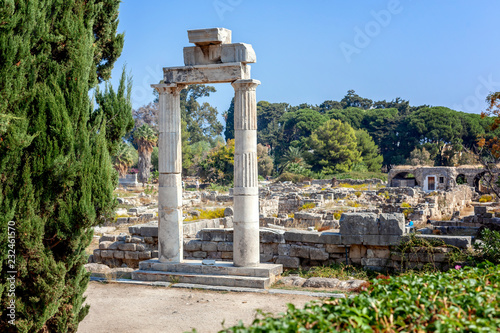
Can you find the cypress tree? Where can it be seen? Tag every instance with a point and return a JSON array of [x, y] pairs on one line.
[[56, 177]]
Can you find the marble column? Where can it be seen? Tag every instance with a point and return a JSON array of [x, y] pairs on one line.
[[246, 243], [170, 238]]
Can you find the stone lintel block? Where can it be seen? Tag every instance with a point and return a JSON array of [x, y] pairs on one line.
[[237, 52], [119, 254], [318, 254], [196, 55], [202, 74], [192, 245], [210, 36], [300, 251], [209, 246], [381, 240], [127, 247], [330, 238], [288, 262], [225, 247], [391, 224], [352, 239]]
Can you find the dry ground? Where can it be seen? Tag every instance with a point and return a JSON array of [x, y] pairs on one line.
[[134, 308]]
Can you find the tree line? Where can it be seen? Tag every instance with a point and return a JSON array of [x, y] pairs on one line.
[[353, 134]]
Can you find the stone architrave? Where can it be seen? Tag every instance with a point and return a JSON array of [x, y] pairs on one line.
[[246, 252], [170, 237]]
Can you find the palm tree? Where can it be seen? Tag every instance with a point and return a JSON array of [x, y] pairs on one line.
[[292, 157], [124, 159], [145, 138]]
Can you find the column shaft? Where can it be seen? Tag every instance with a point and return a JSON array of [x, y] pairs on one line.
[[170, 237], [246, 245]]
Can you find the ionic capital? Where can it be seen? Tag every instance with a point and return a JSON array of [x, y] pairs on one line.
[[168, 88], [245, 84]]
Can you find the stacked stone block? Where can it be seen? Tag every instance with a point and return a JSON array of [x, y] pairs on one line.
[[115, 251]]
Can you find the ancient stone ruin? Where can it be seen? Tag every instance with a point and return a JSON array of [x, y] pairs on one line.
[[213, 59], [269, 226]]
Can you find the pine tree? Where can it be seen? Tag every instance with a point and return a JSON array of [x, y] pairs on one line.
[[229, 117], [56, 176]]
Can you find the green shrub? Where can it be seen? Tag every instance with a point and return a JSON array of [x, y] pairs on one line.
[[309, 205], [337, 214], [291, 177], [489, 247], [486, 198], [405, 205], [460, 300], [357, 193]]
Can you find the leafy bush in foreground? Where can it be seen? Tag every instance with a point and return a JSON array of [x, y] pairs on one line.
[[460, 300]]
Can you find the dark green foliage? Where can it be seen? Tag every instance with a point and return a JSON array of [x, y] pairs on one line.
[[218, 165], [201, 120], [116, 108], [369, 151], [269, 128], [460, 300], [56, 173], [334, 148], [229, 117], [488, 247]]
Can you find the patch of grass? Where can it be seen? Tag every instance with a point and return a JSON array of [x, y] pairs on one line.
[[207, 214], [308, 205], [361, 175], [338, 271], [292, 177]]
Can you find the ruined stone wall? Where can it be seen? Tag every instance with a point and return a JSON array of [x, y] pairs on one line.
[[365, 238]]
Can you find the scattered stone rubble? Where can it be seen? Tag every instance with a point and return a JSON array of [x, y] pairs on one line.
[[371, 222]]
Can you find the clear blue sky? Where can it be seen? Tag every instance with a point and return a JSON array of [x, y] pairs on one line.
[[442, 53]]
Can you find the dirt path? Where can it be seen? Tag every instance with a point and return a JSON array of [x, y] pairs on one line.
[[131, 308]]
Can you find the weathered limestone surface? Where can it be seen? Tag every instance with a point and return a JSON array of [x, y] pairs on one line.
[[211, 36], [202, 74], [246, 192], [170, 165], [216, 54]]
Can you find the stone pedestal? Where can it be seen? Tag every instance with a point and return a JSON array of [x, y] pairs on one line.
[[246, 192], [170, 238]]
